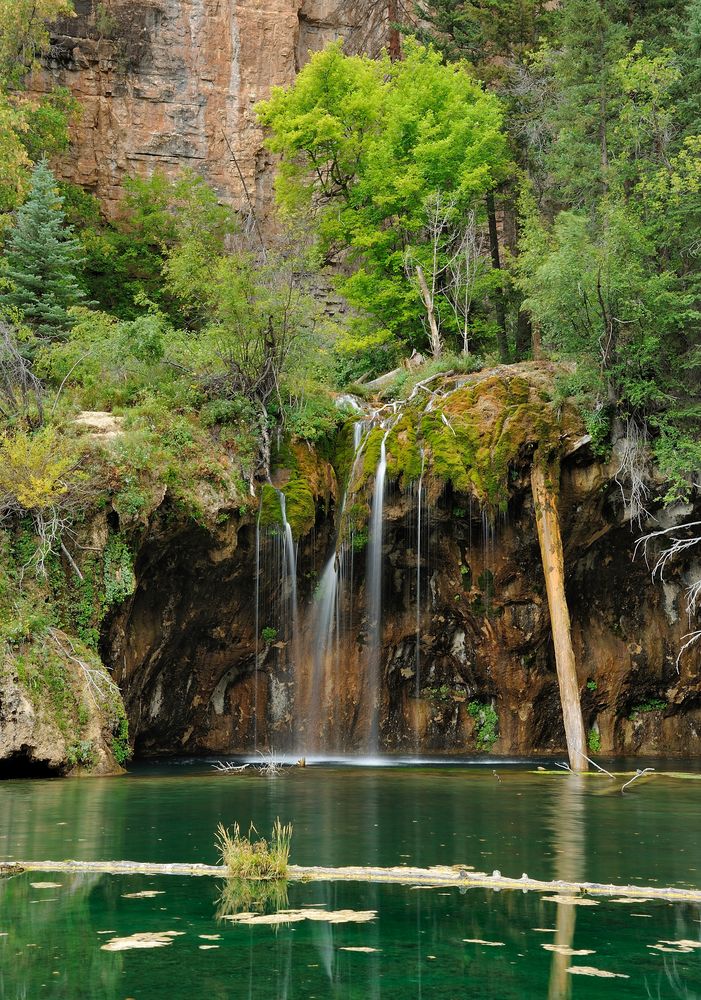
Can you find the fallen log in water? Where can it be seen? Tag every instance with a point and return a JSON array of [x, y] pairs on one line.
[[438, 876], [8, 868]]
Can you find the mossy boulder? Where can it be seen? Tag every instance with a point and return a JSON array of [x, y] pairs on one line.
[[473, 432], [306, 479]]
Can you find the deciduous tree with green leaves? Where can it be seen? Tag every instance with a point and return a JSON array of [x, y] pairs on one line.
[[367, 146]]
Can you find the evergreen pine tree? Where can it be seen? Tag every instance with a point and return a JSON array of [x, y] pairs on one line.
[[42, 259]]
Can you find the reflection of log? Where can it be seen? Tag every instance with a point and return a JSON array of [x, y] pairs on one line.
[[560, 981], [568, 822], [544, 484]]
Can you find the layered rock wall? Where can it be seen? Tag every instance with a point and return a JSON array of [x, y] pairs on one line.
[[174, 83], [202, 670]]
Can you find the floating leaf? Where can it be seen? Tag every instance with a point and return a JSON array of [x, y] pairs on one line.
[[563, 949], [146, 894], [589, 970], [143, 939], [295, 916]]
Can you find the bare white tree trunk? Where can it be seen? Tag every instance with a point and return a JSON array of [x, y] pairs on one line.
[[434, 333], [544, 484]]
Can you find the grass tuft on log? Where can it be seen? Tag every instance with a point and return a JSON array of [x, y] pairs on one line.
[[253, 857]]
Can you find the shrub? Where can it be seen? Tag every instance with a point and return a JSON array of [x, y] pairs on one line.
[[486, 720], [594, 740]]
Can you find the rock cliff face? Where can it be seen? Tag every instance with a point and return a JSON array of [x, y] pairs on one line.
[[184, 647], [53, 727], [173, 83]]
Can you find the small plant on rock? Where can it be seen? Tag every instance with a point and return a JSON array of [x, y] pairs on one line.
[[487, 721], [594, 740]]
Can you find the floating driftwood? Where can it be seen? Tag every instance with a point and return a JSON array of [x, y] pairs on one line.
[[438, 876]]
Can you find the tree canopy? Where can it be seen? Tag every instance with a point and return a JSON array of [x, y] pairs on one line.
[[367, 146]]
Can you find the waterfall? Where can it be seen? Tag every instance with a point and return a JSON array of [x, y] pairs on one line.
[[256, 627], [319, 697], [317, 701], [374, 598], [290, 576], [419, 501]]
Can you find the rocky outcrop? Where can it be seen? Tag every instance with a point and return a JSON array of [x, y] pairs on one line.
[[173, 83], [50, 723], [209, 662]]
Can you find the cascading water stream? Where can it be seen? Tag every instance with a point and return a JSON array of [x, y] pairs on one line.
[[419, 502], [374, 598], [256, 626], [290, 561], [316, 696]]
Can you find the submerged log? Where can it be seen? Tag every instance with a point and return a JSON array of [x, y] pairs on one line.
[[544, 484], [440, 875]]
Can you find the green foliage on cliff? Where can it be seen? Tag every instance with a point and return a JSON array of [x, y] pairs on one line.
[[29, 128]]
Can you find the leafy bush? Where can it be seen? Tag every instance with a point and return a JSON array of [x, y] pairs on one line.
[[120, 741], [594, 740], [487, 721]]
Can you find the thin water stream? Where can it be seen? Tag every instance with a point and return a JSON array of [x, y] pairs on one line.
[[374, 599]]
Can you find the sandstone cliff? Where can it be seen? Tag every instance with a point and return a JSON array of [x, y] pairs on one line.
[[173, 83]]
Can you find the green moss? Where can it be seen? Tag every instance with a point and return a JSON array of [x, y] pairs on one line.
[[403, 451], [270, 512], [300, 506], [341, 455], [371, 453]]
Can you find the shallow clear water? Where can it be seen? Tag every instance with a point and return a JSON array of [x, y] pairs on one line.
[[551, 826]]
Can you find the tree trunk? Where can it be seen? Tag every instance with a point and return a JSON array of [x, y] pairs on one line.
[[434, 334], [544, 484], [394, 45], [502, 341], [523, 335]]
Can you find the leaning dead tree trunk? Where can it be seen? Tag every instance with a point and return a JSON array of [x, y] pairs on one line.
[[544, 484], [434, 332]]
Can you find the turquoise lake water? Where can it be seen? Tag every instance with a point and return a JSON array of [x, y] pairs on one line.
[[415, 942]]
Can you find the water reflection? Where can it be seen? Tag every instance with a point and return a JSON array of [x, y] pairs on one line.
[[568, 821], [427, 944]]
